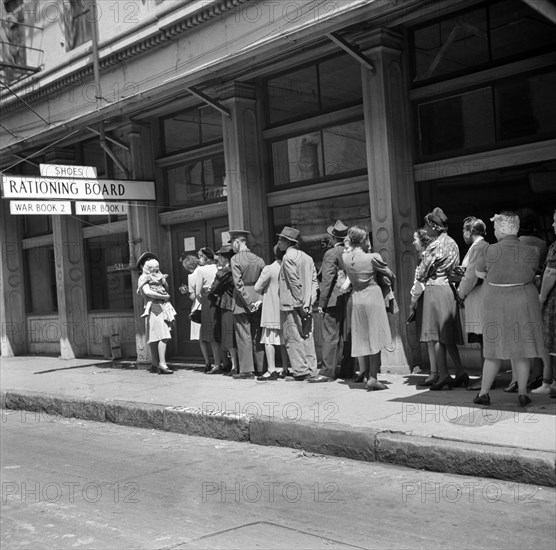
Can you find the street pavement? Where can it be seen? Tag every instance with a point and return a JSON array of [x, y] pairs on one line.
[[70, 483], [405, 425]]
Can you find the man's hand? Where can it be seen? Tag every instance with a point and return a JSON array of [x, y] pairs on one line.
[[256, 305], [320, 309]]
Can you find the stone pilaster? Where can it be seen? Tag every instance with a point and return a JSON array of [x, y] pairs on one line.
[[247, 207], [391, 184], [142, 221], [69, 258], [13, 326]]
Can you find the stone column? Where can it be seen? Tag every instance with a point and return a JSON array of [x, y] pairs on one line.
[[13, 324], [71, 286], [247, 207], [142, 220], [391, 185]]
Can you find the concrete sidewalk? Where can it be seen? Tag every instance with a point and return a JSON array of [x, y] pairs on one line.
[[439, 431]]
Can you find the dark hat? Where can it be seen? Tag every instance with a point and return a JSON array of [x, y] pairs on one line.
[[144, 258], [290, 233], [225, 250], [339, 230], [238, 233], [437, 217]]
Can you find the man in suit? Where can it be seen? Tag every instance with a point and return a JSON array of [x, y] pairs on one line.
[[471, 287], [246, 268], [332, 306], [298, 292]]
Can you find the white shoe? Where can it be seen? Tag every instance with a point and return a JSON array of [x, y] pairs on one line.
[[544, 389]]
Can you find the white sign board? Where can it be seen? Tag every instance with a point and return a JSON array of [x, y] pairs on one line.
[[55, 208], [38, 187], [189, 244], [92, 208], [66, 171]]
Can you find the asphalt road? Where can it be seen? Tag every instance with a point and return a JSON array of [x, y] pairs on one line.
[[76, 484]]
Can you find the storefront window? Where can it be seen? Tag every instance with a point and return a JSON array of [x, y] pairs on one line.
[[108, 272], [308, 91], [191, 128], [197, 181], [36, 225], [479, 37], [313, 217], [520, 108], [317, 155], [40, 268]]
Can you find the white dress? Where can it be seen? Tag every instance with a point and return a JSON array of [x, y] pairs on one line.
[[195, 330]]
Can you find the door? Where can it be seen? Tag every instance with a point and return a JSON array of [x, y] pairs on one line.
[[187, 238]]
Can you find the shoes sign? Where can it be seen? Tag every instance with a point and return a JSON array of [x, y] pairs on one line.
[[64, 183]]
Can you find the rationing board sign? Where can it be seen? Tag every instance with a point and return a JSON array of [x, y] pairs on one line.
[[40, 187], [54, 208]]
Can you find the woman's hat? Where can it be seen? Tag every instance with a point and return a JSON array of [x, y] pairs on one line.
[[225, 250], [290, 233], [437, 217], [339, 230], [144, 258]]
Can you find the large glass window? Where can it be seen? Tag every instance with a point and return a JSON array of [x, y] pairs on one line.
[[108, 272], [313, 217], [321, 154], [191, 128], [520, 108], [317, 88], [479, 37], [42, 297], [197, 181]]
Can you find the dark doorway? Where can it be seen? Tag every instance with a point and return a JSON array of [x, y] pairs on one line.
[[187, 238]]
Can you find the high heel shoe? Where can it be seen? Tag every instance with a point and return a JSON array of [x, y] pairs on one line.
[[430, 380], [523, 400], [461, 380], [482, 399], [375, 386], [534, 382], [446, 381], [512, 388], [217, 369], [165, 370]]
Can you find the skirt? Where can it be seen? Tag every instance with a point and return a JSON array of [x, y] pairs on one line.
[[271, 336], [370, 330], [441, 321], [157, 328], [512, 323], [226, 330], [207, 321]]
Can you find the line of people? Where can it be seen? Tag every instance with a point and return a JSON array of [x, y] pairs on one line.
[[503, 309]]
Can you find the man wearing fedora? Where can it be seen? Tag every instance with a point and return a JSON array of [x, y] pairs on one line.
[[246, 268], [332, 305], [298, 293]]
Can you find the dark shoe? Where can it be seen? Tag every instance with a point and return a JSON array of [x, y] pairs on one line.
[[482, 399], [461, 380], [301, 377], [153, 369], [243, 376], [375, 386], [523, 400], [165, 370], [208, 367], [271, 376], [283, 374], [360, 378], [512, 388], [430, 381], [446, 381], [319, 378], [217, 369], [534, 383]]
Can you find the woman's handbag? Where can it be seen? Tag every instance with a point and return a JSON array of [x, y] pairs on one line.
[[195, 315]]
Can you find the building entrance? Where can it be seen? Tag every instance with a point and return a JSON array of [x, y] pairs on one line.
[[187, 238]]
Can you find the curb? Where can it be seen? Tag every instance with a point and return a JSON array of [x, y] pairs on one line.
[[341, 440]]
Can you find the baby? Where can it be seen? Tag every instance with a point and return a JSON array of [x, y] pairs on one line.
[[157, 283]]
